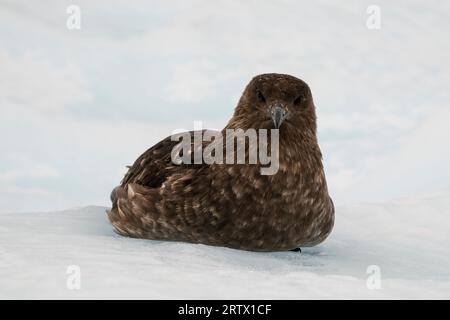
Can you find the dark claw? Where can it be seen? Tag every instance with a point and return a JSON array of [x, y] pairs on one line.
[[296, 250]]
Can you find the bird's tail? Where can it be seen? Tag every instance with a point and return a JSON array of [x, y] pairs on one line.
[[133, 207]]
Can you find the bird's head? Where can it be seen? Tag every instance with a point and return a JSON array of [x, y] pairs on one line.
[[275, 101]]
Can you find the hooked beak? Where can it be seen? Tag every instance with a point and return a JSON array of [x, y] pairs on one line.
[[278, 114]]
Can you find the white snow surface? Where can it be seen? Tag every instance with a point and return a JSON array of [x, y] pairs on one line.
[[408, 239]]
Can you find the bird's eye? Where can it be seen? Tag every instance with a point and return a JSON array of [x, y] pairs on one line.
[[261, 97], [298, 100]]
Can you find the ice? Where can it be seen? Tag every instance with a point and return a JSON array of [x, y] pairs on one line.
[[407, 239]]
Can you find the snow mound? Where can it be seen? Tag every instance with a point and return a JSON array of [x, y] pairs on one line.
[[408, 240]]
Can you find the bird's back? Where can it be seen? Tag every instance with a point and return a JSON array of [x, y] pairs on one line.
[[151, 201]]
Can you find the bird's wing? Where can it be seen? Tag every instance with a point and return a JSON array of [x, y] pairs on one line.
[[153, 167]]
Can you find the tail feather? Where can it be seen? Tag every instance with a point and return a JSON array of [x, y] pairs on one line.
[[133, 210]]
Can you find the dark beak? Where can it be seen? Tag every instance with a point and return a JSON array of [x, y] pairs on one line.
[[278, 114]]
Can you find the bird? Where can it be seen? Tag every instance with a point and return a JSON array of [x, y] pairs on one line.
[[234, 205]]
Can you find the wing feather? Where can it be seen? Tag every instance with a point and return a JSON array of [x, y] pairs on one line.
[[155, 165]]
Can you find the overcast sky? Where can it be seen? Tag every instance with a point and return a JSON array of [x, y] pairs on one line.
[[76, 106]]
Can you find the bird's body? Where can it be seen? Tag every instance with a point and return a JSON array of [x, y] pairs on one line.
[[234, 205]]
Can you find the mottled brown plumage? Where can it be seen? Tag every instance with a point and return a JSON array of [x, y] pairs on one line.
[[234, 205]]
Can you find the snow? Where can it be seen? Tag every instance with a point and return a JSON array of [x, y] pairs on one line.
[[408, 239]]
